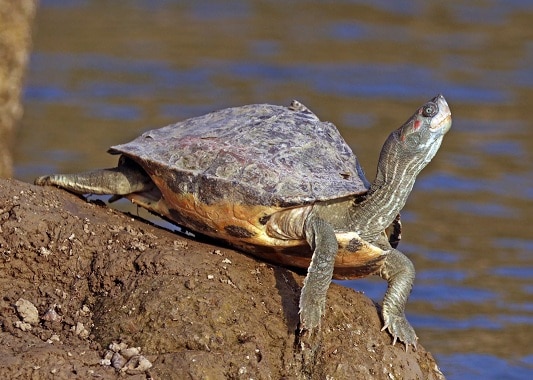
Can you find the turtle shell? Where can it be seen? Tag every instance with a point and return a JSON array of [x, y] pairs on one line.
[[262, 155], [237, 173]]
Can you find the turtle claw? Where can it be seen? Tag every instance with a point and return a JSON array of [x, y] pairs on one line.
[[311, 315], [400, 330]]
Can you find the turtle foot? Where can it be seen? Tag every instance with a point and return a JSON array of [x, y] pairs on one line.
[[311, 315], [400, 329]]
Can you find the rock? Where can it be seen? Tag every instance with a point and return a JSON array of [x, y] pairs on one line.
[[118, 361], [148, 287], [129, 352], [27, 311], [137, 364], [24, 326], [51, 315], [80, 330]]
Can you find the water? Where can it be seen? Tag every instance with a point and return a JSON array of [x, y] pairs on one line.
[[102, 72]]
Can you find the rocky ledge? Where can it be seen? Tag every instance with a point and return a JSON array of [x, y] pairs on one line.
[[89, 292]]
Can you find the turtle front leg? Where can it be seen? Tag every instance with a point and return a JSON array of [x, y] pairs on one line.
[[321, 237], [399, 272]]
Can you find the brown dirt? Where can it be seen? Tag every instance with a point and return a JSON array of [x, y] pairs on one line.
[[197, 311]]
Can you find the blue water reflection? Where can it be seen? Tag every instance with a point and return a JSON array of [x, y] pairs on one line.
[[130, 78], [505, 185], [472, 322], [485, 367], [439, 293], [517, 244], [452, 183], [515, 272], [449, 293]]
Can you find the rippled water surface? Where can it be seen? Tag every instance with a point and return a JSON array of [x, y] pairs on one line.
[[102, 72]]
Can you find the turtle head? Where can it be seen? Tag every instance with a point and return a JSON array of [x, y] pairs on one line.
[[405, 153], [424, 131], [412, 146]]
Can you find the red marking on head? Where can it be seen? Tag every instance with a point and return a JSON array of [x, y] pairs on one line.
[[416, 124]]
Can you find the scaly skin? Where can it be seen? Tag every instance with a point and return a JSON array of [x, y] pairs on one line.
[[125, 179], [405, 153]]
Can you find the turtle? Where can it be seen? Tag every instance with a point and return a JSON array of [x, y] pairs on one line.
[[280, 184]]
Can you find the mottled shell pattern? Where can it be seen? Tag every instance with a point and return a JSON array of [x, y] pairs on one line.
[[256, 155]]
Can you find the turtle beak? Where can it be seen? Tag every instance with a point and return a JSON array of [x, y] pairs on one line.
[[442, 121]]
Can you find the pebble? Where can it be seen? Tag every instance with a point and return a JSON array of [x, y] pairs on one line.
[[27, 311], [137, 364], [53, 338], [126, 359], [24, 326], [118, 361], [51, 315], [128, 353], [116, 347], [80, 330]]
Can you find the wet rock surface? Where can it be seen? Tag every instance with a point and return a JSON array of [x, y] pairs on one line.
[[89, 292]]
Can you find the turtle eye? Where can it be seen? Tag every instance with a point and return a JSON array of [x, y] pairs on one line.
[[430, 109]]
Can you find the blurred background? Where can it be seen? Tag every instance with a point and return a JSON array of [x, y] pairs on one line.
[[102, 72]]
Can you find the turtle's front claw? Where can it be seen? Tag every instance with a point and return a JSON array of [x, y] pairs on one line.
[[400, 329], [310, 314]]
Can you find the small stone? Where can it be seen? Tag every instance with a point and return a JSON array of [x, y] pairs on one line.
[[118, 361], [180, 244], [80, 330], [53, 338], [210, 277], [61, 294], [137, 364], [108, 355], [27, 311], [24, 326], [129, 352], [117, 347], [45, 252], [85, 311], [51, 315], [229, 282]]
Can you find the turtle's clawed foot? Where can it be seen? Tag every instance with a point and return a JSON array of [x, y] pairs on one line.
[[311, 312], [400, 329]]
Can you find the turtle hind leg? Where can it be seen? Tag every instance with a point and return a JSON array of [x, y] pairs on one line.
[[399, 272], [125, 179]]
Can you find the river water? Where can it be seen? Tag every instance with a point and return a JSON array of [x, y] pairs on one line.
[[102, 72]]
